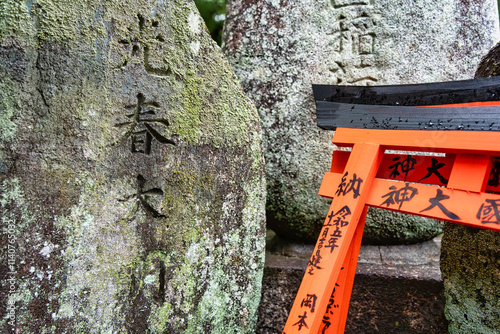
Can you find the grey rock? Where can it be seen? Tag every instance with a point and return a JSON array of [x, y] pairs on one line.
[[471, 273], [279, 48], [416, 261], [392, 228], [131, 173]]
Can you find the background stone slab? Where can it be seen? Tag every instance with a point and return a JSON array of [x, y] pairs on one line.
[[279, 48], [131, 172]]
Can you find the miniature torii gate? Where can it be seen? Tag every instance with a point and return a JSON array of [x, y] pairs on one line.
[[453, 188]]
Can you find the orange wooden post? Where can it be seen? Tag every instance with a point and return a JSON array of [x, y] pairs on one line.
[[450, 188], [328, 256], [473, 142], [335, 316]]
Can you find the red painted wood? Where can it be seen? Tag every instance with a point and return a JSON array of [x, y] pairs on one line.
[[470, 172], [472, 142], [425, 169], [343, 287]]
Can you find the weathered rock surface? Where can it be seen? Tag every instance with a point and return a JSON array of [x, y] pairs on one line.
[[131, 173], [393, 228], [279, 48], [471, 273], [470, 261], [490, 64]]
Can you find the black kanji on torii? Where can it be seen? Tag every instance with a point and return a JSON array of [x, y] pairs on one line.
[[489, 212], [314, 262], [397, 110], [334, 238], [141, 130], [406, 166], [399, 196], [436, 201], [310, 302], [433, 169], [302, 322], [494, 178], [353, 185], [340, 217]]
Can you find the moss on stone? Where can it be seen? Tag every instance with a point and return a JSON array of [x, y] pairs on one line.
[[279, 48], [188, 121], [490, 64], [15, 20], [385, 227], [159, 318], [38, 21], [202, 109], [469, 263], [57, 21]]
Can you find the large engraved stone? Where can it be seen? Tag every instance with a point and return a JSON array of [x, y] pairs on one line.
[[131, 173], [279, 48]]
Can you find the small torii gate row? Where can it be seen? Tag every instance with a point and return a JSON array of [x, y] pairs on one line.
[[462, 186]]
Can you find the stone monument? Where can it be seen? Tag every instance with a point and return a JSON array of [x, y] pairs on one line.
[[279, 48], [131, 173]]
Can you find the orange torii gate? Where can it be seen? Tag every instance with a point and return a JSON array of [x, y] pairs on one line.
[[453, 188]]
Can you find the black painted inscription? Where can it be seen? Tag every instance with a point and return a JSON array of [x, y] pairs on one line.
[[399, 196], [353, 185], [489, 213], [302, 321], [436, 201], [405, 166], [314, 262], [339, 218], [494, 178], [433, 170], [327, 321], [309, 302]]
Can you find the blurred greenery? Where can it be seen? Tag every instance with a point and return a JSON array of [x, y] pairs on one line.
[[214, 14]]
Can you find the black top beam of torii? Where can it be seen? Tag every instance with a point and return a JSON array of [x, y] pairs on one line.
[[399, 107]]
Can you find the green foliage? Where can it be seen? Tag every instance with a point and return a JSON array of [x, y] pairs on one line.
[[214, 14]]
